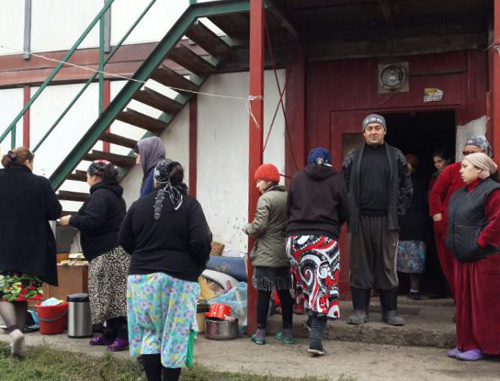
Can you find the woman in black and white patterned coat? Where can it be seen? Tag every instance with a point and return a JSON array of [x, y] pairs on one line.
[[99, 221]]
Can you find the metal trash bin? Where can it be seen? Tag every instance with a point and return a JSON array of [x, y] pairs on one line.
[[79, 318]]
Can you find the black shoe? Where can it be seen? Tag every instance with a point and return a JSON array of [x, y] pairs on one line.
[[415, 295], [317, 351]]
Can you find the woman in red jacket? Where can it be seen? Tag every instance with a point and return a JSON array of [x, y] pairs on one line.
[[446, 184], [474, 239]]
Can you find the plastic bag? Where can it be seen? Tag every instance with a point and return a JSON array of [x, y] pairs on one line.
[[236, 298]]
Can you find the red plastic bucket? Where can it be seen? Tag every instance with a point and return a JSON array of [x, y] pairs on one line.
[[52, 319]]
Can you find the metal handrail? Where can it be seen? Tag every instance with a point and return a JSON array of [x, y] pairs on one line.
[[12, 126], [93, 77]]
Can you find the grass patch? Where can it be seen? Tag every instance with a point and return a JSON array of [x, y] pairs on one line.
[[43, 363]]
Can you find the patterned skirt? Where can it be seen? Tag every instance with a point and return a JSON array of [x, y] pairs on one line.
[[108, 285], [18, 287], [316, 264], [161, 316], [411, 257]]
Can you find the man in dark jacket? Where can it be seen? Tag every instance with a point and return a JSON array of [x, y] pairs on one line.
[[380, 189]]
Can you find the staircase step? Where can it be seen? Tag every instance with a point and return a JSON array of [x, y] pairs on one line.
[[431, 325], [73, 196], [159, 101], [170, 78], [208, 40], [142, 121], [119, 160], [234, 25], [118, 140], [191, 61], [78, 176]]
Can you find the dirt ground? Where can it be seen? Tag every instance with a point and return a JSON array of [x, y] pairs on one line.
[[361, 361]]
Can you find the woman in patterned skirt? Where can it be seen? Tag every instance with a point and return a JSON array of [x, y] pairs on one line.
[[27, 245], [317, 208], [99, 220], [414, 232], [168, 236]]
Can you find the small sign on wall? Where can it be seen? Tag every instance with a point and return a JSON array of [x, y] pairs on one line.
[[433, 94]]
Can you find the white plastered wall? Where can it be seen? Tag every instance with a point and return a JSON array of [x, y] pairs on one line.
[[222, 180], [11, 101], [12, 21]]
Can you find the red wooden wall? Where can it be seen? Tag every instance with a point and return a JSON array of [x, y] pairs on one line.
[[339, 94]]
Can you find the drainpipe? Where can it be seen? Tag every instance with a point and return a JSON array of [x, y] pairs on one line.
[[256, 135]]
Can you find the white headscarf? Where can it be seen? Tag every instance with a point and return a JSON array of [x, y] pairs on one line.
[[483, 162]]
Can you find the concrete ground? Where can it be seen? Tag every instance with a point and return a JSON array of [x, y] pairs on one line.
[[372, 352], [362, 361]]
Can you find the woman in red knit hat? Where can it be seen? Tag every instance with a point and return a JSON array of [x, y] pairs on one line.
[[271, 266]]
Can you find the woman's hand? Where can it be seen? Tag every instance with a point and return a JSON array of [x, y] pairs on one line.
[[65, 220], [437, 217]]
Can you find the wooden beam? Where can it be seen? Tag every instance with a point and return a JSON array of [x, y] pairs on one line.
[[335, 49], [191, 61], [158, 101], [256, 126], [118, 140], [118, 160], [207, 39], [141, 120], [170, 78]]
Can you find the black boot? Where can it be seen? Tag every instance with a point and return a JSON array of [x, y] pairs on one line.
[[389, 302], [368, 296], [358, 316]]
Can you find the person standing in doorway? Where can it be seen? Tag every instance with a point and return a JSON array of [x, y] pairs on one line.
[[440, 160], [413, 235], [380, 190], [27, 244], [149, 152], [446, 184], [317, 208]]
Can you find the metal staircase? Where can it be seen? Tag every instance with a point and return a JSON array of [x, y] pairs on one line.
[[178, 65]]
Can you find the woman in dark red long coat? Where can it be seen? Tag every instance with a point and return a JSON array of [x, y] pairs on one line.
[[474, 238], [446, 184]]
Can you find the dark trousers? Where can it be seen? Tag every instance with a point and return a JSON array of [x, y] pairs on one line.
[[372, 255]]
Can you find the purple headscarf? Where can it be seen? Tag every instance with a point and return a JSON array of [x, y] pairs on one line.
[[152, 151]]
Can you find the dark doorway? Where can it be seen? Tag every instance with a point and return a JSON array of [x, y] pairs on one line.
[[421, 134]]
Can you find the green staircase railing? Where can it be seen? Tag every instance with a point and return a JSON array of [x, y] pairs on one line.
[[152, 62], [99, 18], [194, 12]]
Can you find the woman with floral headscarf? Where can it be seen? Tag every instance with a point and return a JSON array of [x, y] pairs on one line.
[[474, 238], [168, 236], [149, 152], [99, 220]]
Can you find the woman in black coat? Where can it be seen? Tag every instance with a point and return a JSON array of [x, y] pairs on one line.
[[99, 221], [27, 244], [168, 236]]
